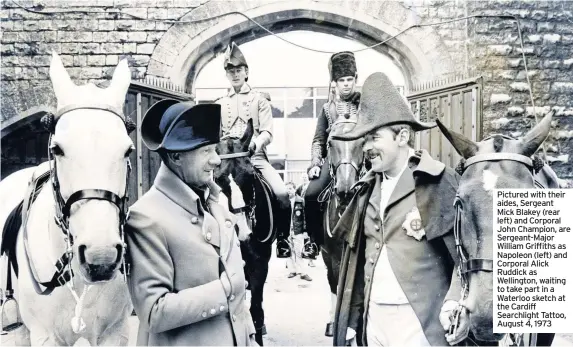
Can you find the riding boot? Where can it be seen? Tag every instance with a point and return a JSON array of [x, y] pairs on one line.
[[259, 336], [312, 212], [332, 306]]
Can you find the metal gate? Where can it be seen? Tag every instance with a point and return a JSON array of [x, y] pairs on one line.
[[457, 104], [140, 97]]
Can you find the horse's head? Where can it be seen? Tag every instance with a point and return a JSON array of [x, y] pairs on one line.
[[90, 148], [235, 161], [346, 158], [498, 162]]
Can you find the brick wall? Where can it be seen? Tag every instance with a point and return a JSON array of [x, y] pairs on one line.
[[91, 44]]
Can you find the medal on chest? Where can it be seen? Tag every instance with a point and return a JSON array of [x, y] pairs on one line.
[[413, 224]]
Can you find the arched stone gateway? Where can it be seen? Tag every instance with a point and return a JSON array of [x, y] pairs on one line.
[[92, 43], [186, 48]]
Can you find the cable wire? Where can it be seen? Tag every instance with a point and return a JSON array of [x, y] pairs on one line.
[[509, 17]]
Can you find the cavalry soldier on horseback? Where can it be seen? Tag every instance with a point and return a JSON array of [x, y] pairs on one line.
[[343, 75], [237, 107], [398, 283], [187, 282], [343, 101]]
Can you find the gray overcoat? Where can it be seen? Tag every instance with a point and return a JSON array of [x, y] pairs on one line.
[[175, 250]]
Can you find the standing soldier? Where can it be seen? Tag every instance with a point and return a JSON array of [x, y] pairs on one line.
[[237, 107], [186, 283], [398, 283]]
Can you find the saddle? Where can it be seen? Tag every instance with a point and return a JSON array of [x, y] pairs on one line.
[[13, 224]]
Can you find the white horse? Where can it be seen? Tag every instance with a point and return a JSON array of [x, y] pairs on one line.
[[81, 209]]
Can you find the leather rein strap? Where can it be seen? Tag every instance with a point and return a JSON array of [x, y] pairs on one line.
[[233, 155]]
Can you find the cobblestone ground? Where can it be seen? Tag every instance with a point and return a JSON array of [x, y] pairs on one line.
[[296, 310]]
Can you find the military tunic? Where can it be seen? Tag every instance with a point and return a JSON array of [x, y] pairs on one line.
[[238, 108], [330, 113], [417, 232]]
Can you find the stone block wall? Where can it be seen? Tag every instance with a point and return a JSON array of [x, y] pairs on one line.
[[92, 42], [496, 53]]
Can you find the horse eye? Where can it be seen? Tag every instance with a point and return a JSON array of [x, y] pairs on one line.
[[57, 150]]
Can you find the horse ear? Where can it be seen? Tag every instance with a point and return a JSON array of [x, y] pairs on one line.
[[120, 81], [248, 135], [535, 137], [61, 81], [464, 146]]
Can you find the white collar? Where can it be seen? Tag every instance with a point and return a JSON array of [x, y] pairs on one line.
[[411, 152]]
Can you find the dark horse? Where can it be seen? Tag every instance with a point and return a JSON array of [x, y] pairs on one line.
[[259, 206], [345, 159], [498, 162]]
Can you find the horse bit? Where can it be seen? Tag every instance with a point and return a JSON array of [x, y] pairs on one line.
[[468, 265]]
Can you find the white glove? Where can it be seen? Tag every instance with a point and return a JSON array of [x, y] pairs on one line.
[[446, 319], [314, 172], [447, 312], [351, 336]]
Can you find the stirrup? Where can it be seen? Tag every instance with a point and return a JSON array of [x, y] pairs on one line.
[[9, 308]]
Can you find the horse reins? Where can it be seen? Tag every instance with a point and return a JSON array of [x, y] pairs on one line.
[[466, 264], [249, 211]]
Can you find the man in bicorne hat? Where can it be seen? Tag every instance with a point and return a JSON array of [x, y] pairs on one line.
[[237, 107], [343, 77], [398, 283], [187, 282]]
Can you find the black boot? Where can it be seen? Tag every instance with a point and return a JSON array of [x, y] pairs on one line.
[[259, 337], [329, 330]]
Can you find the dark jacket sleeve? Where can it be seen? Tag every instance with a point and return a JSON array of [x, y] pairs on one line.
[[318, 149], [357, 299]]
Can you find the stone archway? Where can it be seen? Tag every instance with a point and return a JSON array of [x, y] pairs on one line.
[[186, 48]]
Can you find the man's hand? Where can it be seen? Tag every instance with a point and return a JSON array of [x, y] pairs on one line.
[[252, 148], [447, 316], [314, 172], [351, 337]]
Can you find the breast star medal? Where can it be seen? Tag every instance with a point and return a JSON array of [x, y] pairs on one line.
[[413, 224]]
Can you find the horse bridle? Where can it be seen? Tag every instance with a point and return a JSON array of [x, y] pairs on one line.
[[63, 207], [334, 168], [466, 264], [249, 211]]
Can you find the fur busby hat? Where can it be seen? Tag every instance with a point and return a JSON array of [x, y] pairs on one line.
[[234, 57], [381, 105], [342, 64], [175, 126]]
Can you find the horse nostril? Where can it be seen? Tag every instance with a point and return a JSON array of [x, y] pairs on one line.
[[82, 253], [119, 248]]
